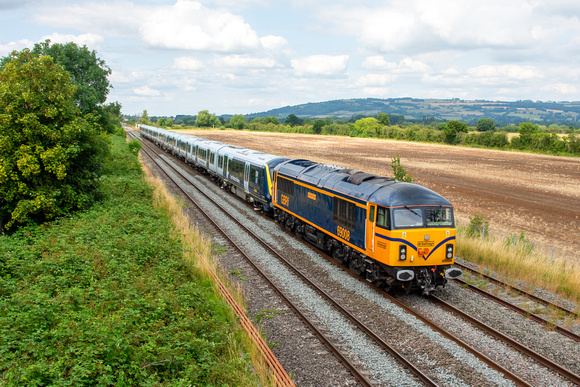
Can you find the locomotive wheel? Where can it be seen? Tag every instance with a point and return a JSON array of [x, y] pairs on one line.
[[338, 254]]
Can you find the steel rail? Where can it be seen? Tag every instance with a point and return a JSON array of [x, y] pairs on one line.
[[520, 347], [492, 364], [519, 290], [281, 377], [361, 378], [508, 374], [519, 310]]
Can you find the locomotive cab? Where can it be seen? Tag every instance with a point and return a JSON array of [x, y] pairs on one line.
[[416, 243]]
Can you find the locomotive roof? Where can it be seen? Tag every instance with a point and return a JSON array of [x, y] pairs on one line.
[[361, 185]]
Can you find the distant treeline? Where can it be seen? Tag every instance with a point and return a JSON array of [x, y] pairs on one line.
[[553, 139]]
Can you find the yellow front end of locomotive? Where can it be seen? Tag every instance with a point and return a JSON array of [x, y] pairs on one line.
[[414, 247]]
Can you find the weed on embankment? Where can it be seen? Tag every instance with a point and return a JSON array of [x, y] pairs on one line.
[[105, 297]]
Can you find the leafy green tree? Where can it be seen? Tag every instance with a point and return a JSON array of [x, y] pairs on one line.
[[293, 120], [205, 119], [161, 121], [144, 118], [367, 126], [452, 129], [169, 123], [485, 125], [526, 129], [318, 125], [238, 121], [383, 119], [87, 71], [50, 154]]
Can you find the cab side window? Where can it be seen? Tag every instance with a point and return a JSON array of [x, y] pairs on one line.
[[383, 218]]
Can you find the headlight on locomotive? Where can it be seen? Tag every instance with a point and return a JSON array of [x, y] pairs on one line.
[[402, 252], [449, 251]]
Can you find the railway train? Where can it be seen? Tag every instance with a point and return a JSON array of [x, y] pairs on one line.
[[394, 234]]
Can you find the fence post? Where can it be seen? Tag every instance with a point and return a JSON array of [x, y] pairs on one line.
[[514, 240], [483, 234], [552, 256]]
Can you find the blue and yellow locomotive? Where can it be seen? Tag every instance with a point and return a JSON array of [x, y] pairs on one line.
[[395, 234]]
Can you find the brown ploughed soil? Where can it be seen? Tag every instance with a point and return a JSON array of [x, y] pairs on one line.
[[515, 192]]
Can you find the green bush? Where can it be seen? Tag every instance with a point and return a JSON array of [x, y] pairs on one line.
[[106, 298], [477, 224]]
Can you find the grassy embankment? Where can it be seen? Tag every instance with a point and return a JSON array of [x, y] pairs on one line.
[[117, 296], [520, 262]]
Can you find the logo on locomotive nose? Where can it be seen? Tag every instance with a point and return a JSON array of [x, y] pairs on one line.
[[427, 237]]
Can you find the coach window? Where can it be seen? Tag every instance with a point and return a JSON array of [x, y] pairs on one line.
[[383, 218], [220, 162], [255, 177]]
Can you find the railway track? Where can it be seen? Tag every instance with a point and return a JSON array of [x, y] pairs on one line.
[[424, 378], [523, 292], [357, 373], [523, 312]]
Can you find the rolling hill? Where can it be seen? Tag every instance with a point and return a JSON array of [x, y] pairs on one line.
[[414, 109]]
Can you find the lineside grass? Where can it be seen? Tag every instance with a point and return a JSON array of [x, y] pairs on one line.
[[105, 297], [521, 264], [198, 251]]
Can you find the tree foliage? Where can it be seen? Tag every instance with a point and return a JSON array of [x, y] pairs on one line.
[[50, 154], [400, 173], [485, 124], [238, 121], [526, 129], [293, 120], [89, 74], [318, 125], [383, 119], [452, 129], [367, 127], [205, 119]]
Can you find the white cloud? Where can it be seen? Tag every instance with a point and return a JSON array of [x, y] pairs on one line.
[[375, 79], [376, 91], [92, 41], [407, 65], [486, 75], [191, 26], [7, 48], [146, 91], [561, 88], [242, 61], [419, 26], [325, 65], [504, 73], [188, 63], [273, 43], [186, 25]]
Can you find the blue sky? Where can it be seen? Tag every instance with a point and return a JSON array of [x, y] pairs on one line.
[[180, 56]]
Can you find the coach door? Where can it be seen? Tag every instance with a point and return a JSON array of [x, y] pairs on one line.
[[247, 177], [372, 211]]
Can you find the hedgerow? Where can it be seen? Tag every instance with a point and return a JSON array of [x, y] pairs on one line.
[[106, 298]]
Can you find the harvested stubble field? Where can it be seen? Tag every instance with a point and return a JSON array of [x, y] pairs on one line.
[[516, 192]]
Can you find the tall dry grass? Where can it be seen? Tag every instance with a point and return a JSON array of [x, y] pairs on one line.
[[519, 263], [197, 252]]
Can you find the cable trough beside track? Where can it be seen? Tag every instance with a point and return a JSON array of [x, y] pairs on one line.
[[361, 376]]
